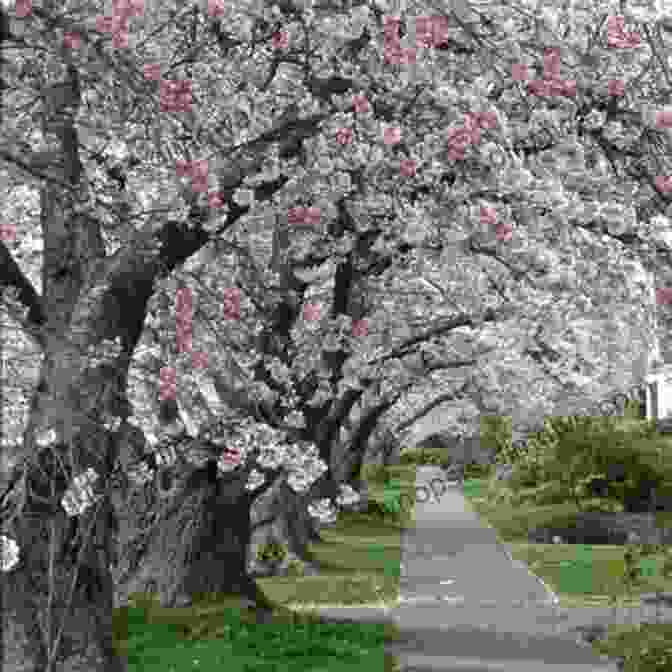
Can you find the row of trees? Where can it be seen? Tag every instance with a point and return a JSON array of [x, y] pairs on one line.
[[147, 186]]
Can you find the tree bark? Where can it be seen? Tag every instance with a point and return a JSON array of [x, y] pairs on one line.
[[195, 544], [281, 515]]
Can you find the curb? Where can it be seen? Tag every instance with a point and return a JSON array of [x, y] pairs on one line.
[[553, 598]]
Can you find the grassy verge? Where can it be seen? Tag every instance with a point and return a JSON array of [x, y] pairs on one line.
[[580, 575], [359, 561], [222, 636], [359, 557]]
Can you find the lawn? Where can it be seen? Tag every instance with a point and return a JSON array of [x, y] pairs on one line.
[[359, 560], [580, 575], [359, 556], [221, 637]]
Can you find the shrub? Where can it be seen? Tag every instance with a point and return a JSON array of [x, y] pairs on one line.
[[476, 470], [426, 456], [376, 473], [603, 457], [496, 436], [296, 567], [272, 552]]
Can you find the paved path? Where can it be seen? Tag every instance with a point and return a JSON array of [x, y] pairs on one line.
[[466, 605]]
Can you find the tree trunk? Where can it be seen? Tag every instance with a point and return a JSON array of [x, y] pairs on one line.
[[280, 515], [198, 545]]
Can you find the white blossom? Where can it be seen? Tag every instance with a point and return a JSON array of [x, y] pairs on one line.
[[80, 496], [255, 480], [323, 510], [9, 553]]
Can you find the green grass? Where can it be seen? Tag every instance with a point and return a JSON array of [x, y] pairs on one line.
[[223, 637], [359, 557], [645, 648], [581, 575], [359, 561]]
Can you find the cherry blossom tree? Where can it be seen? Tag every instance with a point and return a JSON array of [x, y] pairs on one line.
[[170, 170]]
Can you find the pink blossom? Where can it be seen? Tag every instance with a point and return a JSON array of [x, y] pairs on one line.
[[312, 216], [175, 96], [391, 26], [664, 295], [519, 72], [152, 71], [359, 328], [7, 232], [616, 35], [439, 30], [184, 300], [311, 312], [486, 119], [216, 7], [664, 119], [616, 23], [232, 303], [183, 168], [168, 383], [664, 183], [280, 40], [539, 87], [199, 360], [552, 64], [104, 24], [72, 40], [423, 32], [124, 9], [392, 135], [344, 136], [120, 39], [231, 456], [215, 199], [395, 55], [556, 87], [296, 215], [503, 231], [488, 215], [472, 126], [407, 167], [184, 338], [458, 140], [360, 103], [459, 137], [199, 176], [23, 8], [199, 169], [616, 87], [128, 8]]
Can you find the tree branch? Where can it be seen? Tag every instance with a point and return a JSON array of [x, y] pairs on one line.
[[11, 275]]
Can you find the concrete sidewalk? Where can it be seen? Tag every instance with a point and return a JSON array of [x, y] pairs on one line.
[[466, 605]]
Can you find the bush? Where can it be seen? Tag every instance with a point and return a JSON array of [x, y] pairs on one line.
[[596, 457], [272, 552], [645, 648], [426, 456], [496, 436], [376, 473], [476, 470]]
